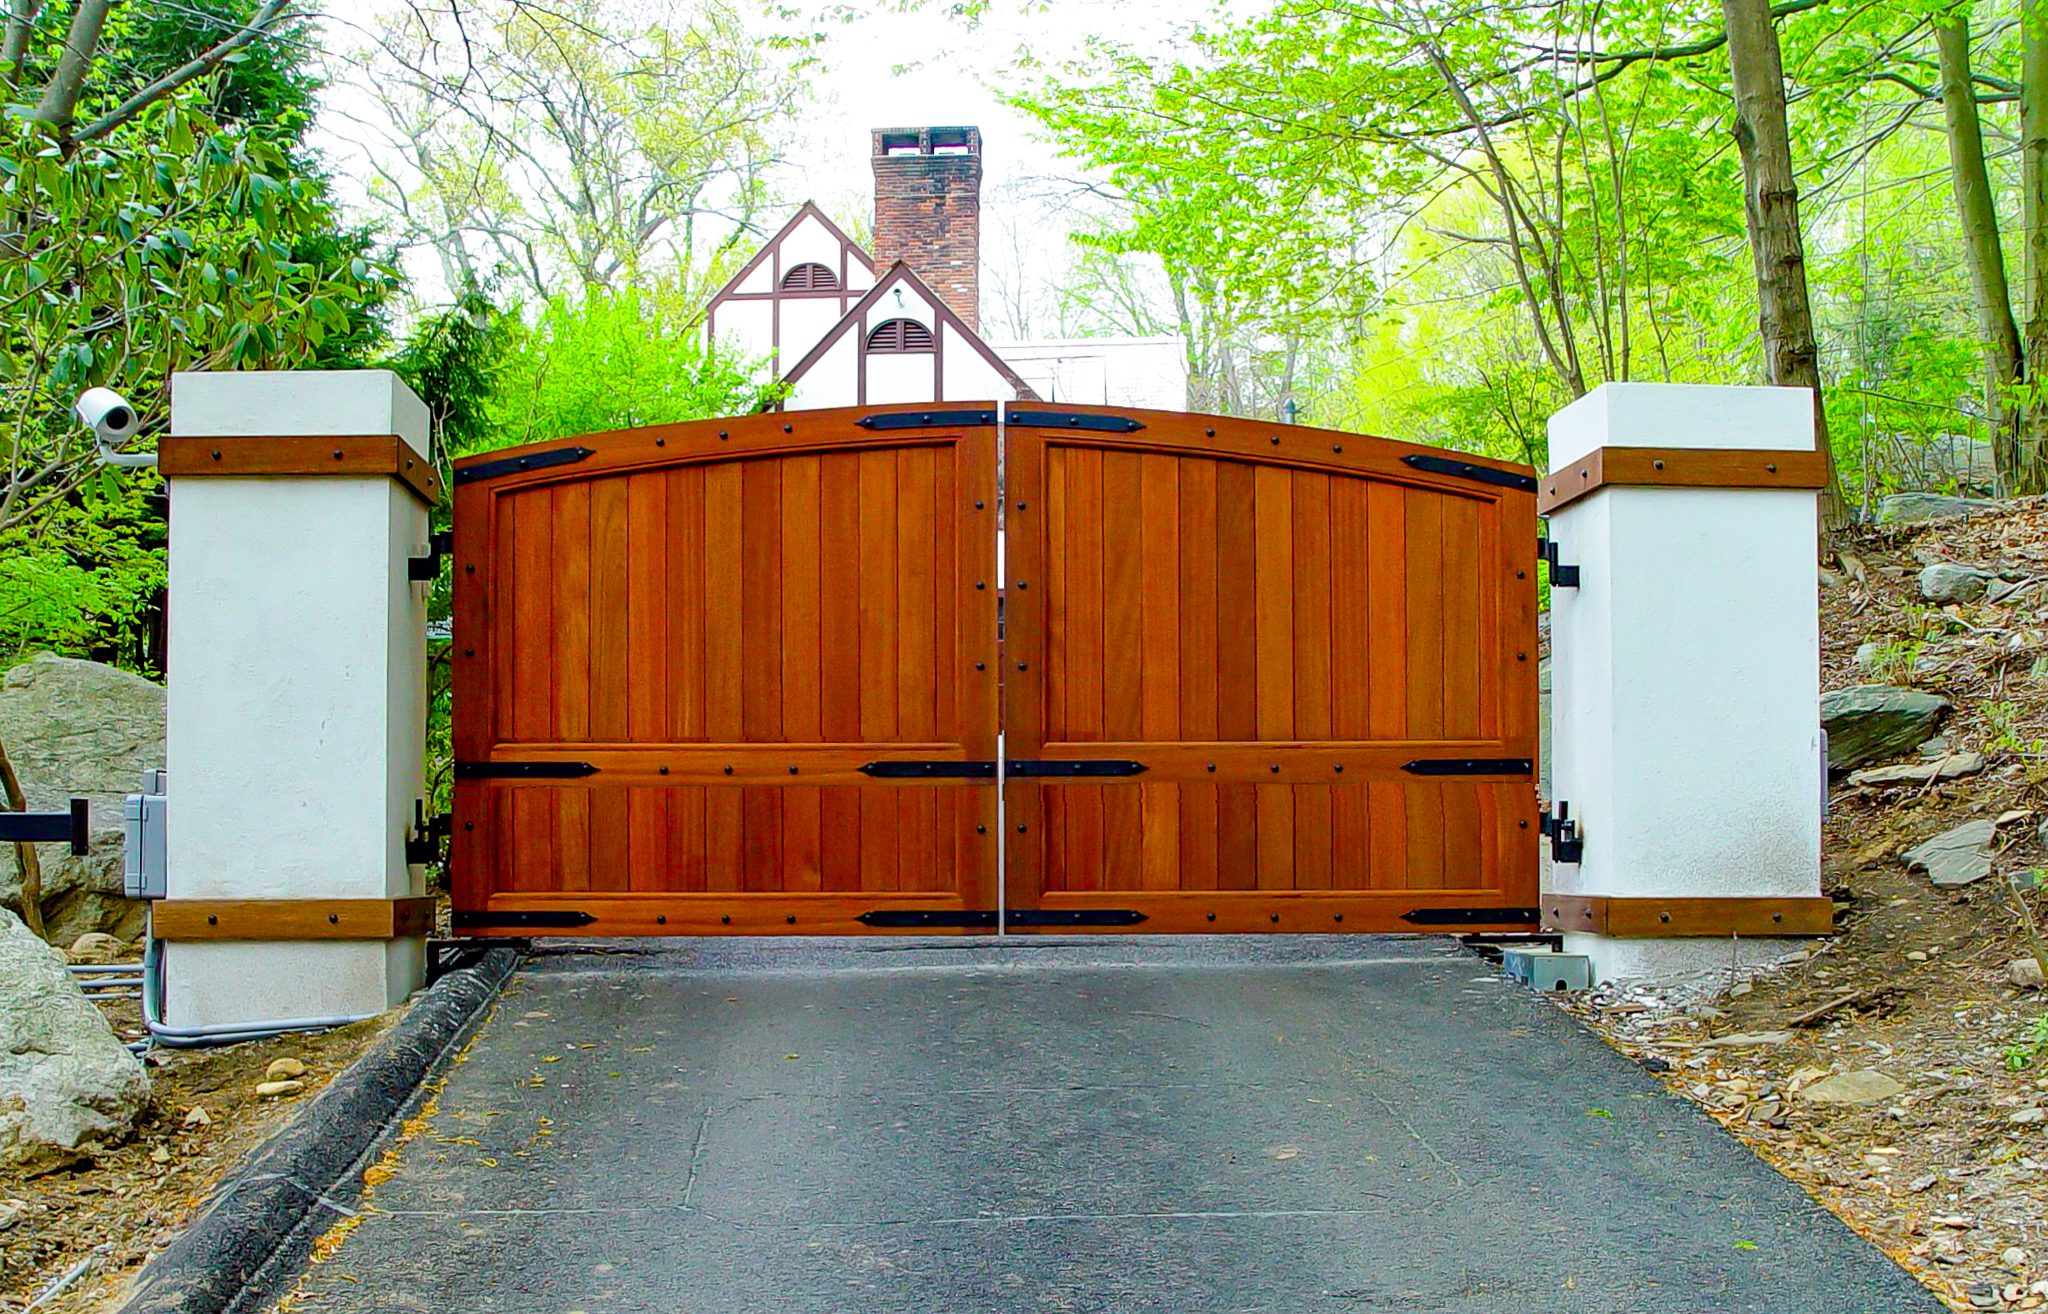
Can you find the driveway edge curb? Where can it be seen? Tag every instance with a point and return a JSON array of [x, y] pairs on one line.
[[262, 1218]]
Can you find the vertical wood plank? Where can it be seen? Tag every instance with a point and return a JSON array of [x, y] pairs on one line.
[[610, 672], [761, 604], [879, 661], [916, 595], [1237, 636], [1273, 605], [802, 636], [723, 589], [1312, 837], [1352, 674], [1425, 614], [1386, 511], [1462, 590], [571, 514], [687, 842], [686, 600], [648, 658], [724, 840], [1311, 596], [1057, 605], [1085, 607]]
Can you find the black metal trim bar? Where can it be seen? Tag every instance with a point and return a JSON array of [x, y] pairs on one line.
[[1085, 766], [1484, 474], [522, 917], [1073, 917], [918, 918], [909, 769], [469, 474], [987, 919], [1077, 420], [1470, 916], [926, 420], [523, 770], [73, 827], [1469, 766]]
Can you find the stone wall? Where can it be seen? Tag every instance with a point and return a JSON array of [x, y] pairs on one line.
[[79, 729]]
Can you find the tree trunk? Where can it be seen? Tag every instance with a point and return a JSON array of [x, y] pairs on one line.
[[1982, 250], [2033, 437], [1771, 210], [24, 854], [59, 100]]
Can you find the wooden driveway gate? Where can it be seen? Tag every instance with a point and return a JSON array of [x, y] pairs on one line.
[[748, 676]]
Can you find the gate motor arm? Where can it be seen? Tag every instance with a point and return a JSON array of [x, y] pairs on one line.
[[72, 827]]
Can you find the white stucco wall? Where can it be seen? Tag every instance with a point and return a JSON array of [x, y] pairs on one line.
[[296, 702], [1685, 668]]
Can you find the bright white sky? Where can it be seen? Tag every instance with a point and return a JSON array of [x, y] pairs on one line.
[[887, 69]]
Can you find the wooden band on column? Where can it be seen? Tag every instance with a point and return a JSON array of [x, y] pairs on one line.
[[353, 455], [292, 919], [1679, 467], [1649, 917]]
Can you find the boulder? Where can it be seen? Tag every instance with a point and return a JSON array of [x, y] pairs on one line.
[[1867, 722], [2025, 973], [1947, 581], [1911, 508], [77, 728], [1955, 857], [66, 1081], [2003, 591]]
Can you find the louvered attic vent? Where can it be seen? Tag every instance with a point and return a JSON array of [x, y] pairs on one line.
[[810, 277], [900, 335]]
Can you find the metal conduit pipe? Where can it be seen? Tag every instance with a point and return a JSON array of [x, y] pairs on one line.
[[221, 1033]]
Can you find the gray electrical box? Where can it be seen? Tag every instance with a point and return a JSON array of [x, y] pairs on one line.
[[1547, 969], [142, 834]]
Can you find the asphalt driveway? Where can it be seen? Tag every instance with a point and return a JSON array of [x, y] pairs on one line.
[[1180, 1125]]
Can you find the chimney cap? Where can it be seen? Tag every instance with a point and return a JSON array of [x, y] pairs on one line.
[[960, 140]]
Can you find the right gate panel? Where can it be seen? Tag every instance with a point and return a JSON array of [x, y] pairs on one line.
[[1320, 646]]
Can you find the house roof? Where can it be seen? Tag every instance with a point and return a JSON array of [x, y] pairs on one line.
[[807, 209], [902, 273]]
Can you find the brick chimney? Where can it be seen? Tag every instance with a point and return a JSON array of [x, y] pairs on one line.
[[928, 210]]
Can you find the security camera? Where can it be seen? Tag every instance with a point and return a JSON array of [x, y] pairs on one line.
[[113, 420], [108, 414]]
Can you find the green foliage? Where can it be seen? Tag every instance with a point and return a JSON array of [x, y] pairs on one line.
[[2027, 1050], [612, 361]]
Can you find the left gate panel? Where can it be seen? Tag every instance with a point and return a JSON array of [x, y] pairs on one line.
[[676, 649]]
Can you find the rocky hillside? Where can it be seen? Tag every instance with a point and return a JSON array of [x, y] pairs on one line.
[[1900, 1071]]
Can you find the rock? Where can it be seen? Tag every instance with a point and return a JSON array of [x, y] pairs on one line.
[[197, 1116], [1862, 1086], [97, 948], [281, 1069], [2028, 1117], [160, 1155], [2013, 1257], [65, 1080], [1946, 581], [1866, 654], [1867, 722], [271, 1090], [1955, 857], [12, 1212], [2003, 591], [1911, 508], [1950, 766], [2025, 973], [78, 728]]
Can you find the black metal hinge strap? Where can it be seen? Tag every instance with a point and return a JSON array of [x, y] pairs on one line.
[[926, 420], [1469, 766], [987, 919], [917, 918], [1085, 766], [1484, 474], [73, 827], [1471, 916], [1073, 917], [534, 918], [423, 570], [1566, 844], [928, 770], [1078, 420], [1561, 575], [469, 474], [523, 770]]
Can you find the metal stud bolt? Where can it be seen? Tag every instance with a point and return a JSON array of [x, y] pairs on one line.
[[1211, 433], [1212, 916], [664, 771], [1772, 467], [337, 453], [977, 504], [981, 830], [333, 919], [789, 428], [980, 584], [1020, 505], [728, 771], [1659, 465], [469, 825], [723, 435], [1276, 440], [661, 919], [791, 919], [1212, 766], [469, 652], [1337, 447], [1022, 585], [725, 920], [661, 442], [1276, 919], [1338, 916], [1022, 828], [1275, 768], [981, 666], [792, 770], [1023, 666]]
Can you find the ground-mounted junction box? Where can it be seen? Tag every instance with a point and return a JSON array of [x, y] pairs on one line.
[[1542, 968]]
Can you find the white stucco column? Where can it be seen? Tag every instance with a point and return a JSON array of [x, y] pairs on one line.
[[297, 683], [1686, 670]]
